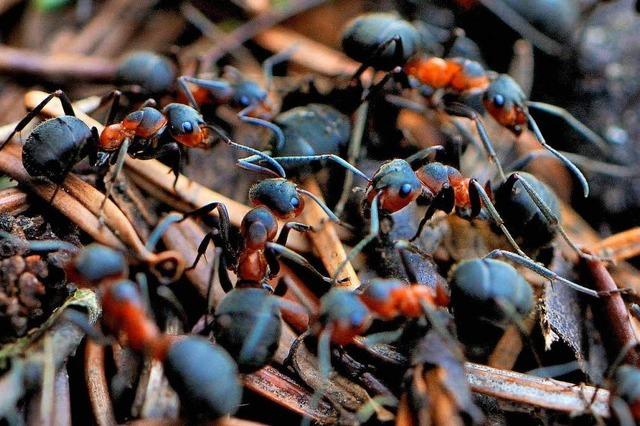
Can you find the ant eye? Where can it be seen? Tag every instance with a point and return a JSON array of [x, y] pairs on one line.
[[187, 127], [498, 100], [295, 202], [405, 190], [244, 101]]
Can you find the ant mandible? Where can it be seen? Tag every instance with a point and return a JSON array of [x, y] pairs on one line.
[[364, 40]]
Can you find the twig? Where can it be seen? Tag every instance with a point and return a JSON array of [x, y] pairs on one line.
[[13, 201], [97, 386], [536, 392], [325, 240], [254, 27], [614, 314], [277, 387], [57, 67], [310, 54], [621, 246]]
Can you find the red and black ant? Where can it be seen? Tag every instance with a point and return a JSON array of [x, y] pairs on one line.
[[192, 364], [378, 40], [56, 145]]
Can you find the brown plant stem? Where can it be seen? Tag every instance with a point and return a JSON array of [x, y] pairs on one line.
[[97, 387], [613, 312]]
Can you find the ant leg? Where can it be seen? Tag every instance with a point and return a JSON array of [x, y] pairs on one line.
[[370, 91], [332, 216], [383, 337], [353, 152], [577, 125], [478, 197], [399, 48], [540, 270], [324, 366], [267, 65], [586, 163], [276, 249], [286, 229], [220, 86], [464, 111], [160, 229], [568, 164], [149, 103], [81, 320], [301, 160], [257, 330], [66, 105], [254, 151], [114, 107], [248, 165], [40, 245], [445, 201], [548, 214], [276, 130], [423, 156], [516, 22], [122, 153], [374, 230]]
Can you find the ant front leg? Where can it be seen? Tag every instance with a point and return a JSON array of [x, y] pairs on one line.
[[303, 160], [464, 111], [286, 229], [66, 106], [276, 130], [478, 197], [425, 156], [122, 153], [218, 88], [267, 158], [445, 201], [397, 40], [374, 230], [591, 136], [540, 270], [568, 164], [276, 250], [553, 220]]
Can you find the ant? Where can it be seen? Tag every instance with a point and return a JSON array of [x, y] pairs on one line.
[[238, 92], [146, 72], [503, 98], [192, 364], [253, 254], [56, 145], [396, 184]]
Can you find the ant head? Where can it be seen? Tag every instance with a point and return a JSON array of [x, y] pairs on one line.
[[377, 295], [96, 263], [257, 227], [186, 125], [397, 185], [433, 176], [205, 377], [345, 313], [506, 102], [247, 93], [278, 195]]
